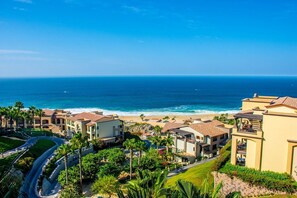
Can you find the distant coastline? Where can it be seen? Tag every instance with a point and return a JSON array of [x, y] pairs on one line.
[[132, 96]]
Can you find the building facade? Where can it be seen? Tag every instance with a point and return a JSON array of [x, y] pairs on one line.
[[265, 137], [95, 125], [197, 140]]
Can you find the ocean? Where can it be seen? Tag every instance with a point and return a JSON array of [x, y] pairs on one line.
[[148, 95]]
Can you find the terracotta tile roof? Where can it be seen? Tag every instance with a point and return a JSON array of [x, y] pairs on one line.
[[286, 101], [209, 128], [91, 123], [171, 125], [48, 112], [85, 116]]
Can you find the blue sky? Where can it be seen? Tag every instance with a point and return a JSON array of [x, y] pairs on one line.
[[113, 37]]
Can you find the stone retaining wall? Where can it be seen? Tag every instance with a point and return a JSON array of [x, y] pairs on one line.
[[237, 185]]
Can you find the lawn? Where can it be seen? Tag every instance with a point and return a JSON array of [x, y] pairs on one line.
[[5, 163], [8, 144], [40, 147], [196, 175], [34, 152]]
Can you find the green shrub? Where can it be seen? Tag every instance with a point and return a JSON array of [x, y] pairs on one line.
[[221, 161], [224, 157], [268, 179]]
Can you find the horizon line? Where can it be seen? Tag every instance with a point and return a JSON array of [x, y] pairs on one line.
[[150, 75]]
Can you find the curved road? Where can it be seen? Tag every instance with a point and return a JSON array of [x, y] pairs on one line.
[[29, 187]]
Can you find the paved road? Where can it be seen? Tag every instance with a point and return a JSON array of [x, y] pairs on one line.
[[29, 187], [23, 147], [184, 168]]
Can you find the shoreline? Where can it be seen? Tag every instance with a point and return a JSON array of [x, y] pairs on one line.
[[157, 119]]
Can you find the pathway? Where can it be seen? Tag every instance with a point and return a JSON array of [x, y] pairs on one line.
[[29, 187]]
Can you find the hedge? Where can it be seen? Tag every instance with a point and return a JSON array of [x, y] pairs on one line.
[[268, 179], [224, 157]]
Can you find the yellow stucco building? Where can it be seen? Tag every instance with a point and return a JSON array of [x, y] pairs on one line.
[[265, 135]]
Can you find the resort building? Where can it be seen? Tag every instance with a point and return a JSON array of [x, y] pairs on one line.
[[96, 125], [264, 137], [201, 139], [53, 120]]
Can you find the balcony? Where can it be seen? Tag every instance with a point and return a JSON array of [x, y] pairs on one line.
[[190, 140]]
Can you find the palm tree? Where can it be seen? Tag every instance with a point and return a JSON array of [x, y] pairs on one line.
[[64, 150], [130, 144], [142, 116], [157, 129], [10, 115], [147, 185], [156, 140], [168, 142], [40, 113], [78, 142], [32, 111], [2, 115], [140, 146], [18, 106], [6, 116]]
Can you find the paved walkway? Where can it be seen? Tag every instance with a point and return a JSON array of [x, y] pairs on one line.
[[30, 142], [184, 168], [29, 186]]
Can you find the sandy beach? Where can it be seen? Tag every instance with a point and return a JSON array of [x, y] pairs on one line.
[[157, 119]]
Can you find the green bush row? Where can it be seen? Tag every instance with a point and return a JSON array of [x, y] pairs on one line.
[[270, 180], [224, 157]]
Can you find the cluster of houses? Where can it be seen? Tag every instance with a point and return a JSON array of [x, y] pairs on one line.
[[108, 128], [264, 136]]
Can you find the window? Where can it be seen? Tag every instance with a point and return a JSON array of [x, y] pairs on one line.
[[222, 137], [198, 137], [97, 127], [215, 139], [214, 147]]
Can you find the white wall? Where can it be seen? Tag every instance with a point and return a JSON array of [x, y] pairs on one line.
[[106, 129]]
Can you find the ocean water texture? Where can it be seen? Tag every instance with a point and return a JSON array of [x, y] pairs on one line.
[[150, 95]]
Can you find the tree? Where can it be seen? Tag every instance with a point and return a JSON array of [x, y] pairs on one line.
[[106, 185], [90, 164], [3, 112], [156, 140], [166, 118], [73, 177], [157, 129], [40, 113], [25, 163], [32, 111], [140, 146], [186, 189], [64, 150], [98, 144], [70, 191], [78, 142], [142, 116], [168, 142], [115, 156], [130, 144], [151, 160], [148, 184], [10, 115], [18, 106]]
